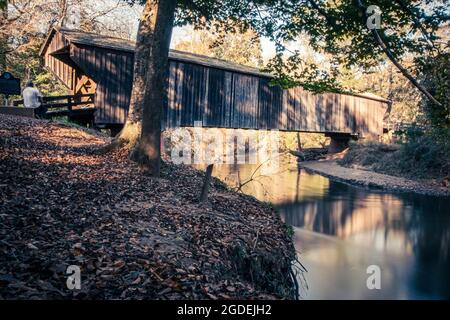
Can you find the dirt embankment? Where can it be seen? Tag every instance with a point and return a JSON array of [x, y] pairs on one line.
[[133, 236], [367, 178]]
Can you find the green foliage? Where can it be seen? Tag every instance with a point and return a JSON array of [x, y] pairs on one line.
[[25, 65], [294, 71], [242, 48], [408, 29], [290, 231], [435, 73], [340, 28], [422, 155], [336, 28], [426, 156]]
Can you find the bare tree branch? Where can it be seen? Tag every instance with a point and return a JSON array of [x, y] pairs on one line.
[[383, 47], [417, 23], [393, 59]]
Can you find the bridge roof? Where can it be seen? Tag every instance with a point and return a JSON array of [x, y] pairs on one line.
[[94, 39]]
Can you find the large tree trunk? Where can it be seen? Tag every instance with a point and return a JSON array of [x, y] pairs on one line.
[[3, 38], [142, 130]]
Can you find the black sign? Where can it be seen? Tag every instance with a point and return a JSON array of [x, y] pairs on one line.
[[8, 84]]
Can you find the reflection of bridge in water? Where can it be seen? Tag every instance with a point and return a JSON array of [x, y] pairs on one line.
[[342, 229], [316, 203], [216, 92]]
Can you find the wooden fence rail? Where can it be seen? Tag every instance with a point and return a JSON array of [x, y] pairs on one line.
[[72, 100], [65, 101]]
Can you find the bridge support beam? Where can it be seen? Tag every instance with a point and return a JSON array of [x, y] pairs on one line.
[[339, 141]]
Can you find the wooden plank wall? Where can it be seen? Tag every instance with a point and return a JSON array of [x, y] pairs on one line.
[[112, 71], [63, 71], [217, 97], [233, 100]]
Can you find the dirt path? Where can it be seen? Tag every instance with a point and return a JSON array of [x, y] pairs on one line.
[[132, 236], [365, 178]]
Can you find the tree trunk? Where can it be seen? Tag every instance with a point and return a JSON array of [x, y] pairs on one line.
[[206, 183], [3, 39], [142, 130], [62, 13]]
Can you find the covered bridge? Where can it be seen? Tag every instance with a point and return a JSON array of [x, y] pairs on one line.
[[217, 92]]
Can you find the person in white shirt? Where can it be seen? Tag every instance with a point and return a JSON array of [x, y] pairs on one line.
[[32, 98]]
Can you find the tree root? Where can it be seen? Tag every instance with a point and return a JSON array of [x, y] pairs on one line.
[[128, 137], [117, 143]]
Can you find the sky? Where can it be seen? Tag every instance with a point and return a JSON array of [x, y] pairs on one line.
[[267, 46], [130, 16]]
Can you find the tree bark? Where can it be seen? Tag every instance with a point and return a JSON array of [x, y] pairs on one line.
[[142, 130], [3, 39], [62, 13]]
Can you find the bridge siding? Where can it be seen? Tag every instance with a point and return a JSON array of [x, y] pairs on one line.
[[112, 70], [219, 98], [62, 71]]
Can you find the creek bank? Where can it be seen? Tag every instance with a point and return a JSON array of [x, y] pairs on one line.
[[369, 179], [133, 236]]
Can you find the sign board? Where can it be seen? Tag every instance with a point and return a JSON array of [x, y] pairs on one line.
[[9, 85]]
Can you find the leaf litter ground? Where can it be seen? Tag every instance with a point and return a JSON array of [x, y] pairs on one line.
[[133, 236]]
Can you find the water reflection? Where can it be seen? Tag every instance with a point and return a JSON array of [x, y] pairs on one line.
[[341, 229]]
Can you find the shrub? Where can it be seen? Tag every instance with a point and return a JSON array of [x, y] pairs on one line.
[[423, 155]]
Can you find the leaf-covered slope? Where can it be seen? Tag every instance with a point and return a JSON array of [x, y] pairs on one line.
[[134, 237]]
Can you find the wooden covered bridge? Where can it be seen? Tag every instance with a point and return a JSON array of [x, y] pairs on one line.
[[217, 92]]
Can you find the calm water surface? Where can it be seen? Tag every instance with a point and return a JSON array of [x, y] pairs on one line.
[[340, 230]]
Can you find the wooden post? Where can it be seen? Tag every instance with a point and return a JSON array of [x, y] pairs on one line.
[[206, 183], [299, 142]]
